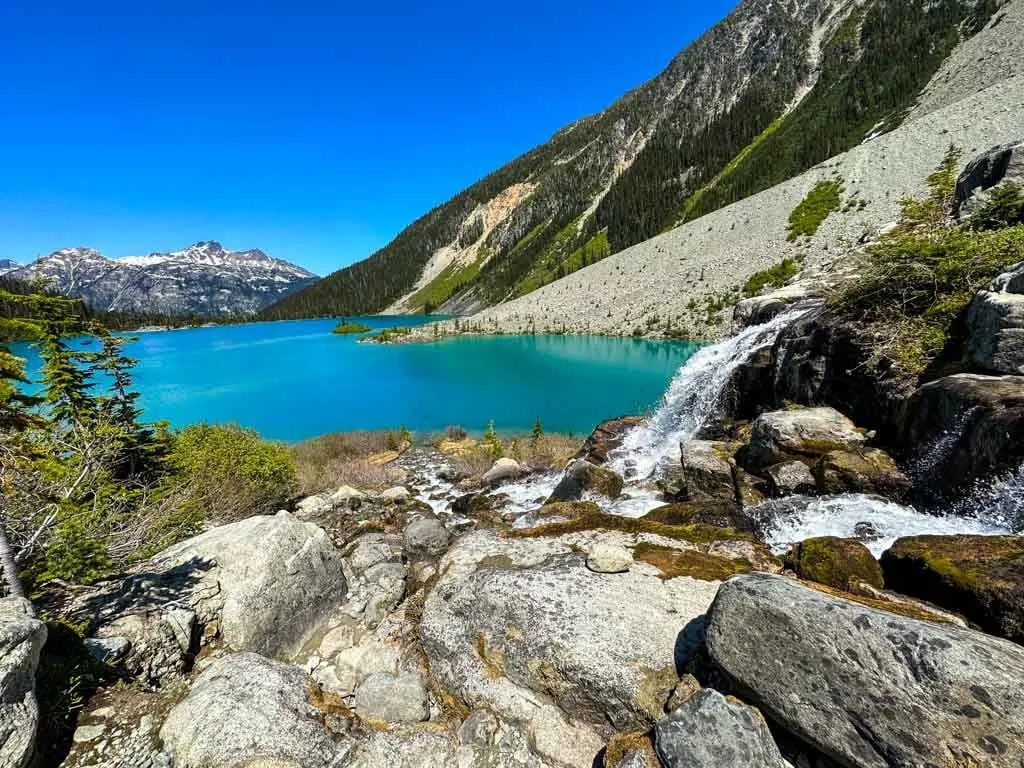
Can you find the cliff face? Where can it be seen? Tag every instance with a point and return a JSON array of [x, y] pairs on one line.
[[773, 89]]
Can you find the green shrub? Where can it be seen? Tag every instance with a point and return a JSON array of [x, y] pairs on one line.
[[822, 200], [773, 277], [1004, 208], [346, 328], [232, 473], [390, 334], [920, 278]]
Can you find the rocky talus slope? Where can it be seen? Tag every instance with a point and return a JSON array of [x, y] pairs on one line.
[[520, 617]]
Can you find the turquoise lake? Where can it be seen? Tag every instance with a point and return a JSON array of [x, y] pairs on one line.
[[294, 380]]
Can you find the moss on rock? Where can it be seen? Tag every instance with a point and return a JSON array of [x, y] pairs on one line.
[[587, 516], [674, 563], [840, 563], [980, 577]]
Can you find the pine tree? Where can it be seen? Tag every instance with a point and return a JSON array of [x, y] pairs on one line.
[[537, 432]]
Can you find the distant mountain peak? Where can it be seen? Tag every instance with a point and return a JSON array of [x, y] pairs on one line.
[[205, 279]]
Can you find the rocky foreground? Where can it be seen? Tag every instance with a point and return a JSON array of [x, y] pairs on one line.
[[377, 629]]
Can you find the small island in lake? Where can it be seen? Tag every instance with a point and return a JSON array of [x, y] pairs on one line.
[[346, 327]]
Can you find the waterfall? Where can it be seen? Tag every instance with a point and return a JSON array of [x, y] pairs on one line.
[[693, 398]]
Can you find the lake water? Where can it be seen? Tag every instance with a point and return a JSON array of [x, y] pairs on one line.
[[293, 380]]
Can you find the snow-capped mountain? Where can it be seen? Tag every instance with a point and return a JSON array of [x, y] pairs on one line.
[[204, 279], [6, 265]]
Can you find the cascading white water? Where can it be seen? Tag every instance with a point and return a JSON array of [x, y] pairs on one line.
[[693, 399]]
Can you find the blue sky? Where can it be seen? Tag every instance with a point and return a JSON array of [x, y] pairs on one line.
[[313, 130]]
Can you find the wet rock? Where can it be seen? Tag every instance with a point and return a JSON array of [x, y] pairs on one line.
[[606, 437], [581, 476], [868, 687], [426, 537], [761, 309], [790, 478], [1003, 163], [401, 699], [670, 479], [844, 564], [263, 584], [868, 470], [246, 707], [979, 577], [504, 470], [707, 471], [720, 514], [978, 421], [21, 639], [609, 558], [712, 731]]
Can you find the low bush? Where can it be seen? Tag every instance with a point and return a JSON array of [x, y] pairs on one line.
[[343, 458], [809, 214], [773, 277]]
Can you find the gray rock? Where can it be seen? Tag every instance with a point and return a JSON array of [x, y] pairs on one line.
[[503, 470], [867, 687], [707, 471], [609, 558], [515, 624], [263, 583], [670, 479], [386, 586], [107, 650], [606, 437], [687, 687], [480, 728], [245, 707], [21, 639], [761, 309], [711, 731], [581, 476], [401, 699], [803, 433], [313, 506], [397, 495], [790, 477], [153, 646], [426, 537], [995, 325], [373, 548], [1004, 163]]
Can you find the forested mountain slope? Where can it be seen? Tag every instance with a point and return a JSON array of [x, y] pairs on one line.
[[772, 90]]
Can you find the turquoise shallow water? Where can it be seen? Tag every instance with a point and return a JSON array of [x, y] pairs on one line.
[[294, 380]]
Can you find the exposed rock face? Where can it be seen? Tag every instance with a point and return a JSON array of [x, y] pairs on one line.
[[720, 515], [606, 437], [205, 279], [761, 309], [867, 687], [979, 418], [979, 577], [393, 699], [248, 710], [804, 434], [995, 324], [999, 164], [513, 624], [581, 476], [790, 477], [713, 732], [707, 473], [262, 583], [867, 470], [21, 640], [845, 564]]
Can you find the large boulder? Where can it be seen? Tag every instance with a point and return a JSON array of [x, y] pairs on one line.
[[866, 470], [805, 434], [520, 626], [502, 471], [844, 564], [968, 426], [247, 710], [979, 577], [263, 584], [995, 324], [760, 309], [712, 731], [22, 637], [1003, 163], [707, 471], [864, 686], [606, 437], [582, 477], [724, 514]]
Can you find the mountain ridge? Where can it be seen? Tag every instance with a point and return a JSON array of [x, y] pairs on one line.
[[770, 91], [204, 279]]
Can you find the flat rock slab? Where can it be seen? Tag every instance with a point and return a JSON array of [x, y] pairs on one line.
[[867, 687]]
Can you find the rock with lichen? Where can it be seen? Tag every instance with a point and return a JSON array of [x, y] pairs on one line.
[[844, 564], [979, 577]]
